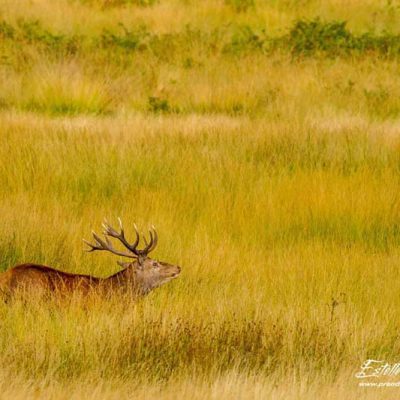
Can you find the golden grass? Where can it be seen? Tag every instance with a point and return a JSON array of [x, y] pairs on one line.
[[270, 226], [272, 181]]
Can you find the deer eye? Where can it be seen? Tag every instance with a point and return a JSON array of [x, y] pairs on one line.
[[155, 264]]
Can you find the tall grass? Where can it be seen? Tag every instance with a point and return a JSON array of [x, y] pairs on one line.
[[272, 179], [271, 226]]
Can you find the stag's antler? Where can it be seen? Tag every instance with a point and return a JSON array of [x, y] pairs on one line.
[[105, 245], [134, 251]]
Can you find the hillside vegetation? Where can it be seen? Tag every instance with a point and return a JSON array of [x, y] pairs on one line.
[[262, 140]]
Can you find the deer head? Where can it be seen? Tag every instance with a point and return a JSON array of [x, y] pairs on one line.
[[145, 272]]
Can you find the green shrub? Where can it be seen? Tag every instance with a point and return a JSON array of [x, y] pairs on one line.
[[244, 38], [128, 40], [119, 3], [307, 37], [32, 32], [158, 105], [7, 31], [334, 39]]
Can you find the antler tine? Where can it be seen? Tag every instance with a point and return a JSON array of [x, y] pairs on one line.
[[100, 244], [145, 240], [134, 252], [155, 239], [149, 245], [110, 231], [92, 247], [135, 244], [98, 240]]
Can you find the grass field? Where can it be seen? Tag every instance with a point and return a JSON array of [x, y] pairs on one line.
[[266, 153]]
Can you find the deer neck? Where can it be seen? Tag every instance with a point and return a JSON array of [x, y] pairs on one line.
[[126, 281]]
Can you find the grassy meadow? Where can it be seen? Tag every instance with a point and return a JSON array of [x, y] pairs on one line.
[[261, 138]]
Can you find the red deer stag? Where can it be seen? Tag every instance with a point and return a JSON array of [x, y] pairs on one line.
[[137, 277]]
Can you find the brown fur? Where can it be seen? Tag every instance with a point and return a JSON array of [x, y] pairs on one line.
[[136, 278]]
